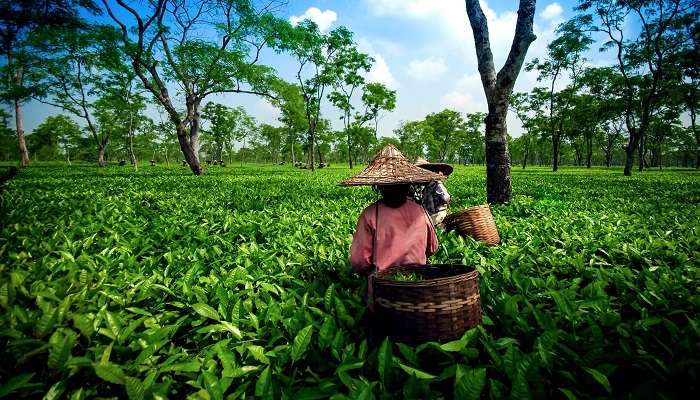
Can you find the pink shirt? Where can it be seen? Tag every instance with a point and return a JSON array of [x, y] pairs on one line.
[[405, 236]]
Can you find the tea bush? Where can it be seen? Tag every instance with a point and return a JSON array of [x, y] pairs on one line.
[[236, 284]]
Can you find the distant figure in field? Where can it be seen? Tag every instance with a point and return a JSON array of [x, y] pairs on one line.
[[184, 163], [153, 163], [395, 230], [434, 197], [122, 163]]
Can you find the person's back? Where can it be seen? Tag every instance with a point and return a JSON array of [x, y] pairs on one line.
[[404, 235]]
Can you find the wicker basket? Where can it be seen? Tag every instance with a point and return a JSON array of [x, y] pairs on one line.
[[476, 222], [441, 306]]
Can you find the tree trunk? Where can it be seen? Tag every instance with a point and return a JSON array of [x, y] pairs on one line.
[[589, 151], [696, 132], [498, 88], [294, 158], [556, 143], [640, 150], [132, 155], [349, 151], [499, 187], [101, 148], [188, 150], [19, 123], [630, 149]]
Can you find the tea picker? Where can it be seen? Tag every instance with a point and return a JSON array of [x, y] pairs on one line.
[[434, 196], [396, 235]]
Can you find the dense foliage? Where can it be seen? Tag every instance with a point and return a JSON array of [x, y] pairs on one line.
[[162, 284]]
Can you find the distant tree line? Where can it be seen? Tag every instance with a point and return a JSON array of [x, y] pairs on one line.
[[171, 56]]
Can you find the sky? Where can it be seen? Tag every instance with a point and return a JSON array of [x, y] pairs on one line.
[[423, 49]]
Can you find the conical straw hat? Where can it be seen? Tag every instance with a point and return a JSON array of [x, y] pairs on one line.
[[443, 168], [390, 167]]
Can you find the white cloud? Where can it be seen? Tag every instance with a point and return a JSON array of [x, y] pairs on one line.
[[428, 69], [553, 11], [381, 73], [324, 19]]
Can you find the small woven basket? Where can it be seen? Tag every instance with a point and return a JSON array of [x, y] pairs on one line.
[[476, 222], [441, 306]]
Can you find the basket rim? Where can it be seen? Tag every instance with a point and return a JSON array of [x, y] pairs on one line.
[[466, 210], [379, 276]]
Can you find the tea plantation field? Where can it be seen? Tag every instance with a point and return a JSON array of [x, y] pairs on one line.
[[236, 284]]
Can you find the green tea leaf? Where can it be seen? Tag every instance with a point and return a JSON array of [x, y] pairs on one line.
[[469, 383], [206, 310], [416, 372], [385, 360], [15, 383], [110, 372], [263, 387], [301, 342], [599, 377]]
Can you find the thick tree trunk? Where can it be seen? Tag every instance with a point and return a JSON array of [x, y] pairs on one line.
[[101, 148], [188, 150], [19, 124], [630, 149], [498, 88], [499, 187]]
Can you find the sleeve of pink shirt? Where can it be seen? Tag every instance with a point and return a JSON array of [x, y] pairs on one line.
[[362, 242]]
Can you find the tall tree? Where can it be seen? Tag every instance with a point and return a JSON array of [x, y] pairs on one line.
[[498, 89], [377, 98], [203, 47], [564, 54], [410, 135], [223, 122], [445, 130], [292, 114], [58, 133], [18, 20], [642, 61], [85, 70], [349, 67], [316, 54]]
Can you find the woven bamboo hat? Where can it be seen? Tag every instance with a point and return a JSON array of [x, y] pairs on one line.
[[442, 168], [390, 167]]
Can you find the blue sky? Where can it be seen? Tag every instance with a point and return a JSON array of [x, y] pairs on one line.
[[423, 49]]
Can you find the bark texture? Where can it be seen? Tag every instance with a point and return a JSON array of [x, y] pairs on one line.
[[19, 124], [498, 88]]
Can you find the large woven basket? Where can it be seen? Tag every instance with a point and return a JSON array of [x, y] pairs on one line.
[[441, 306], [476, 222]]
